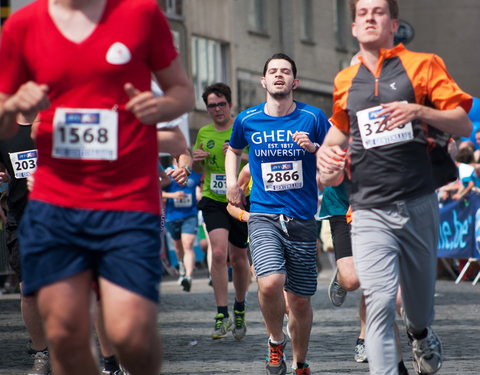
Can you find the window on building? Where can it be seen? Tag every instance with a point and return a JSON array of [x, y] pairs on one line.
[[209, 65], [172, 8], [307, 18], [342, 23], [257, 16]]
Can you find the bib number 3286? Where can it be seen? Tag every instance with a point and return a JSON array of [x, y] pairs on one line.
[[374, 130], [87, 134]]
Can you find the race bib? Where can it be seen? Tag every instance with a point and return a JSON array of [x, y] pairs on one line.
[[86, 134], [375, 134], [24, 163], [185, 202], [284, 175], [218, 183]]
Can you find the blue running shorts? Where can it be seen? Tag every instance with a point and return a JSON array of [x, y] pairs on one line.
[[121, 246], [188, 225], [280, 244]]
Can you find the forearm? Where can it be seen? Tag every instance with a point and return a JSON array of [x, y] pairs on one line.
[[8, 120], [332, 178], [167, 195], [171, 141], [185, 159], [451, 121], [178, 90], [232, 163]]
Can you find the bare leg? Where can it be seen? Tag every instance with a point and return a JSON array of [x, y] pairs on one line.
[[33, 321], [272, 304], [179, 252], [219, 240], [65, 309], [241, 271], [347, 276], [131, 327], [362, 310], [300, 324], [188, 253]]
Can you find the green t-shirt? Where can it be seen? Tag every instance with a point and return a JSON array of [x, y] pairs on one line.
[[215, 182]]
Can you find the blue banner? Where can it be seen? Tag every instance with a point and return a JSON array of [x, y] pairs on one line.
[[460, 228]]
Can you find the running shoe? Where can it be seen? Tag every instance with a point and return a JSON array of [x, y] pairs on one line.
[[186, 284], [360, 352], [427, 353], [222, 326], [302, 371], [276, 359], [336, 293], [240, 328], [41, 364]]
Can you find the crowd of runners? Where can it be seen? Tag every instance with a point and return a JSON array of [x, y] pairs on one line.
[[77, 109]]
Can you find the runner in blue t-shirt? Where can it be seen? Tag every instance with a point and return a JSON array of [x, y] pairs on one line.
[[283, 137], [182, 223]]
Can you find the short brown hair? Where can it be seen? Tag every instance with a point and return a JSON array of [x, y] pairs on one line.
[[219, 89], [392, 6], [281, 56]]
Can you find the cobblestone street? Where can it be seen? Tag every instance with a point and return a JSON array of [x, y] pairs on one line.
[[186, 320]]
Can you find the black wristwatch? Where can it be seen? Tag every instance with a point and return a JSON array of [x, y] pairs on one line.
[[187, 169]]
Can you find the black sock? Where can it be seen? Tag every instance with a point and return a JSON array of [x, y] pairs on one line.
[[421, 335], [402, 370], [301, 365], [239, 306], [360, 341], [110, 363], [223, 310]]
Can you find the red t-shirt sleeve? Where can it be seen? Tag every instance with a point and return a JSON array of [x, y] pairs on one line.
[[162, 51]]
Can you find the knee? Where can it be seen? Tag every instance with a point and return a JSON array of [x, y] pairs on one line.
[[299, 305], [67, 336], [349, 281], [239, 260], [271, 287], [135, 338], [219, 256]]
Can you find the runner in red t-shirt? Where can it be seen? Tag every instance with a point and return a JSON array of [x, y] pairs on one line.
[[86, 66]]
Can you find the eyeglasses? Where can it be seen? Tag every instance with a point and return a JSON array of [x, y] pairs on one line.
[[215, 105]]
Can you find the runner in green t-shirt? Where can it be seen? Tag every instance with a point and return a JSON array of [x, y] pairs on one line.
[[228, 236]]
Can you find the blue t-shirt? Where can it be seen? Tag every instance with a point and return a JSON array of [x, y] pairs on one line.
[[177, 209], [283, 173]]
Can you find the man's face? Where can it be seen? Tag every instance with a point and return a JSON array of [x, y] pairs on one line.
[[279, 80], [219, 109], [477, 138], [373, 26]]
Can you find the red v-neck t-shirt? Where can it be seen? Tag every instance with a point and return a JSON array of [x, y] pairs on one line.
[[131, 40]]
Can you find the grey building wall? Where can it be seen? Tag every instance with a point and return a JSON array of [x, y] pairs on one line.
[[445, 27], [450, 29]]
